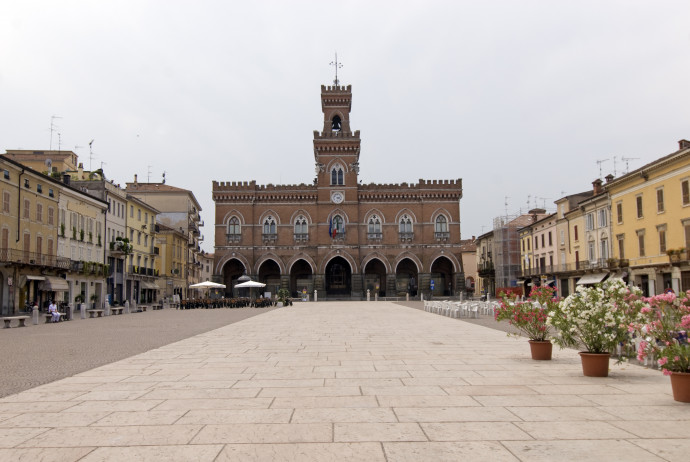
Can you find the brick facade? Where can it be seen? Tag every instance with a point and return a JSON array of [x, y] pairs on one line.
[[338, 236]]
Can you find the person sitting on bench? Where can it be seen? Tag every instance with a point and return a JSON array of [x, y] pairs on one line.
[[52, 308]]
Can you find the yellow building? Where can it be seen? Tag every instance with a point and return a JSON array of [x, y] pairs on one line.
[[178, 209], [29, 265], [171, 262], [80, 239], [141, 280], [650, 215], [51, 163], [570, 240]]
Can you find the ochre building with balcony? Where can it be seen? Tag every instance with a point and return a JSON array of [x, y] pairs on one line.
[[337, 236]]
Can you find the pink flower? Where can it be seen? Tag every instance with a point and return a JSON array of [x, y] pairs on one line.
[[662, 361], [667, 372]]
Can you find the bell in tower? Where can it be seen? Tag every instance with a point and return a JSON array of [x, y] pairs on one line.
[[335, 123]]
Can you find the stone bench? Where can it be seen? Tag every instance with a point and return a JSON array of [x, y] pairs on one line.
[[49, 317], [93, 313], [141, 307], [157, 307], [116, 309], [21, 319]]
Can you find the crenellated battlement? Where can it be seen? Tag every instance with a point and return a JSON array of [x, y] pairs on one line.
[[243, 191], [252, 186], [234, 185], [336, 89], [332, 135], [422, 184]]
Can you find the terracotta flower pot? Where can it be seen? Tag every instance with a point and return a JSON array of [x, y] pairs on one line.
[[595, 364], [541, 350], [680, 385]]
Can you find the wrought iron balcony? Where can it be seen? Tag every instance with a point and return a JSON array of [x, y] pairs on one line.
[[33, 258], [442, 235], [375, 236]]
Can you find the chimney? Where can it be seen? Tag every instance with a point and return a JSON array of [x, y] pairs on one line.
[[80, 171], [597, 186], [683, 144], [135, 178], [609, 178]]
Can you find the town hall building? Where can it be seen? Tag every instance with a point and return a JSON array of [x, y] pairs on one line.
[[336, 236]]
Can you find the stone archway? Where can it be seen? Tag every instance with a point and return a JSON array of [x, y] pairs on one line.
[[442, 275], [406, 277], [338, 277], [232, 270], [301, 277], [375, 276], [269, 274]]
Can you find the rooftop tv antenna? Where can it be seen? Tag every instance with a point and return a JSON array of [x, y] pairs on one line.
[[544, 199], [148, 174], [90, 153], [163, 176], [337, 66], [53, 127], [599, 162], [626, 160], [506, 204]]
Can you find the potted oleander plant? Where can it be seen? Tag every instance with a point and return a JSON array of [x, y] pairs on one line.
[[596, 319], [664, 326], [530, 317]]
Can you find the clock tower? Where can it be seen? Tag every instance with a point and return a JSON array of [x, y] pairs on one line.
[[336, 148]]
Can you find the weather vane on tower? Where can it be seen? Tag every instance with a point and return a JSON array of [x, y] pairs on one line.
[[337, 65]]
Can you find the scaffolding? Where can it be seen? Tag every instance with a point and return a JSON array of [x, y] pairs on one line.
[[506, 245]]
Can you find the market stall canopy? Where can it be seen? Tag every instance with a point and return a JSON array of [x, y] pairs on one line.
[[592, 278], [250, 284], [53, 284], [207, 285]]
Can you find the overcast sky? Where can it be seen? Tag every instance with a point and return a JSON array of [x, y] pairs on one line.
[[517, 98]]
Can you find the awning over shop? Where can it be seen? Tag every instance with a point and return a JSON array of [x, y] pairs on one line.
[[35, 278], [592, 278], [550, 281], [54, 284], [148, 285], [619, 275]]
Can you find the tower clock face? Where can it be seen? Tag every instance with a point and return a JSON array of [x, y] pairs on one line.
[[337, 197]]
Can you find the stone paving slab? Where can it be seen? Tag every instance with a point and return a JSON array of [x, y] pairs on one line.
[[347, 381]]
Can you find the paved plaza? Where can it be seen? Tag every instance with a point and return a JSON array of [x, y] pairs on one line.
[[341, 381]]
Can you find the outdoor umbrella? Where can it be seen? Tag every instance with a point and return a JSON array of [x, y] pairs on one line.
[[207, 285], [249, 285]]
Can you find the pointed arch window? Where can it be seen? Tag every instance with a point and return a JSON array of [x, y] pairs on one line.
[[337, 175], [374, 228], [301, 229], [441, 227], [405, 228], [336, 227], [270, 231], [234, 230]]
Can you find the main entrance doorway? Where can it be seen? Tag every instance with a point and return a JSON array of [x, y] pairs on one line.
[[338, 277], [301, 278], [375, 277]]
